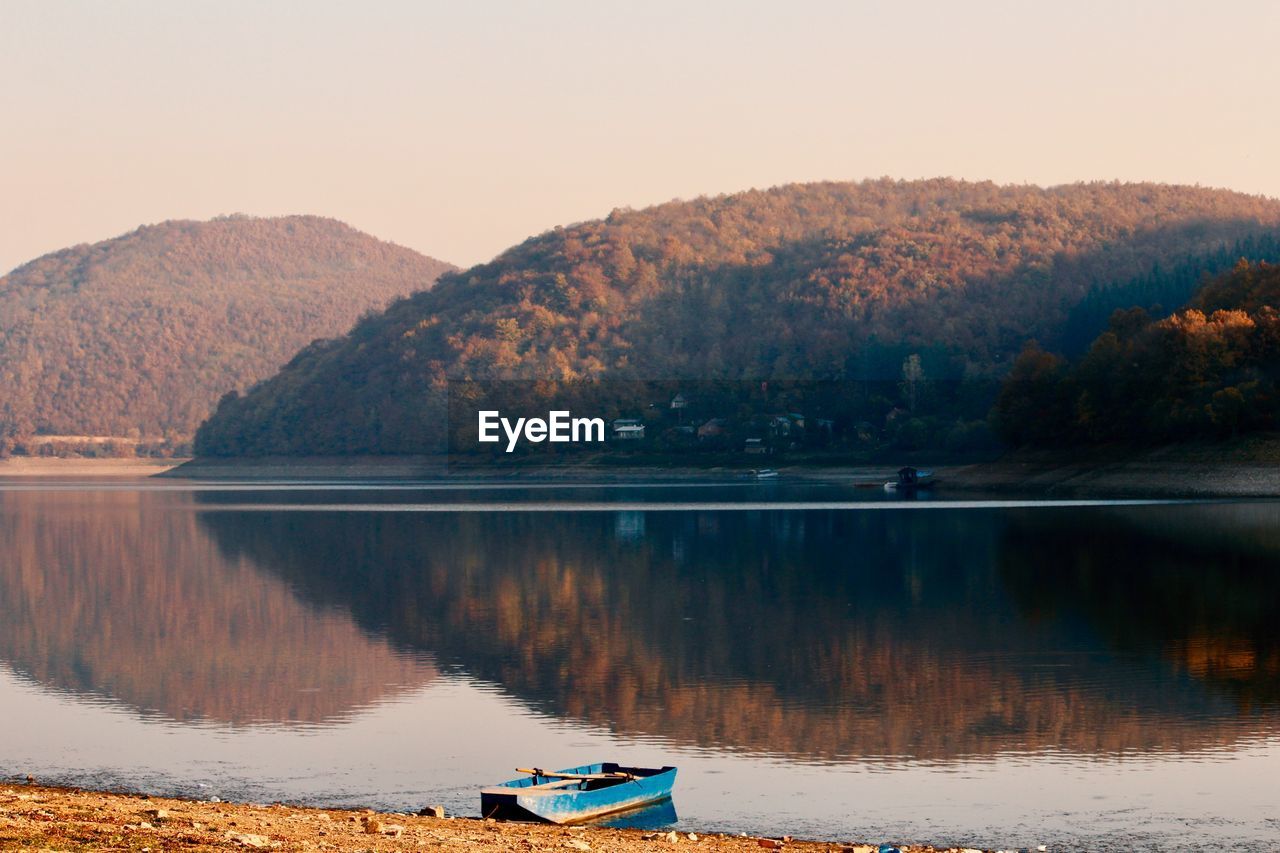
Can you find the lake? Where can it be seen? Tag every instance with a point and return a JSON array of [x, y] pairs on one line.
[[819, 660]]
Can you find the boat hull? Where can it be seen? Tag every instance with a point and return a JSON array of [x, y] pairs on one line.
[[535, 797]]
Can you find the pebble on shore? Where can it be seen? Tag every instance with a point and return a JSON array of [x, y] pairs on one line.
[[61, 818]]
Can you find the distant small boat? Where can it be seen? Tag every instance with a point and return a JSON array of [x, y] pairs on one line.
[[763, 474], [911, 478], [578, 793]]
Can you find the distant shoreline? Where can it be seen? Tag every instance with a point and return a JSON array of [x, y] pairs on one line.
[[1243, 469], [54, 467], [1140, 478]]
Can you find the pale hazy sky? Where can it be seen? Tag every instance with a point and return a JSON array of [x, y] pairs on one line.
[[461, 128]]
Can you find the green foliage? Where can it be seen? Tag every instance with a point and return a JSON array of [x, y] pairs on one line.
[[817, 281], [1209, 371], [138, 336]]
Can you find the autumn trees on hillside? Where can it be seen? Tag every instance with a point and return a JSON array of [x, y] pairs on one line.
[[137, 337], [1211, 370], [827, 281]]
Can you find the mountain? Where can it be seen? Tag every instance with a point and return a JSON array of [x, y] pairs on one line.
[[813, 281], [140, 335]]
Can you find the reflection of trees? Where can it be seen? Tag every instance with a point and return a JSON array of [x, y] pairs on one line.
[[818, 634], [1194, 584], [109, 593]]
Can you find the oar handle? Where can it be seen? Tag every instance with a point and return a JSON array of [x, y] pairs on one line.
[[537, 771]]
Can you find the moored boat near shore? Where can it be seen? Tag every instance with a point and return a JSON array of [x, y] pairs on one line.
[[577, 794], [911, 478]]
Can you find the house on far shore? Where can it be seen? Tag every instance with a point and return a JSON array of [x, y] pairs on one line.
[[628, 429], [678, 404], [712, 428]]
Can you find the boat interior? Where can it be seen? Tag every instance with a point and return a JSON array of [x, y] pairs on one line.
[[589, 778]]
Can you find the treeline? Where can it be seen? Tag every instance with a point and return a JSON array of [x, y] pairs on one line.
[[1160, 291], [1209, 371], [89, 447], [137, 337], [824, 281]]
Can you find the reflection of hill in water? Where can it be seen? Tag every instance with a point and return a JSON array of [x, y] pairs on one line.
[[1195, 584], [109, 593], [816, 634]]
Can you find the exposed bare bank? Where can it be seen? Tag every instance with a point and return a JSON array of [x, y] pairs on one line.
[[52, 466], [62, 819]]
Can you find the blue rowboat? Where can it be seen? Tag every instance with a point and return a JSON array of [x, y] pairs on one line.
[[578, 793]]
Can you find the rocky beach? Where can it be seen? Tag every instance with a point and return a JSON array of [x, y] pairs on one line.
[[51, 818]]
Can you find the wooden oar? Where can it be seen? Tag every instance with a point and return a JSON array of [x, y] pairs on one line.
[[538, 772]]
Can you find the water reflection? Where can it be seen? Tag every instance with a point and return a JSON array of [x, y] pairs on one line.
[[658, 815], [110, 594], [820, 635], [1195, 586], [977, 674]]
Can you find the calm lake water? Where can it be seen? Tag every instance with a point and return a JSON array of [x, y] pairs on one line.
[[818, 660]]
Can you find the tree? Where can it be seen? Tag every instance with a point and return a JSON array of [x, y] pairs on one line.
[[912, 379], [1034, 406]]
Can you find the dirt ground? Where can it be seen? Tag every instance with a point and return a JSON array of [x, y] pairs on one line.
[[52, 467], [43, 818]]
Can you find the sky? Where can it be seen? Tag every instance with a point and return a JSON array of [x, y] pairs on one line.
[[461, 128]]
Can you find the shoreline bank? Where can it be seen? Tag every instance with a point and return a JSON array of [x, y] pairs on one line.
[[1136, 479], [63, 818], [1155, 474], [1202, 472], [53, 467]]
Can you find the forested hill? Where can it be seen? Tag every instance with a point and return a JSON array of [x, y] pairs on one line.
[[140, 335], [828, 280]]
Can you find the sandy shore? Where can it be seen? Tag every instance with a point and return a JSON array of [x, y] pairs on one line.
[[33, 816], [41, 466]]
